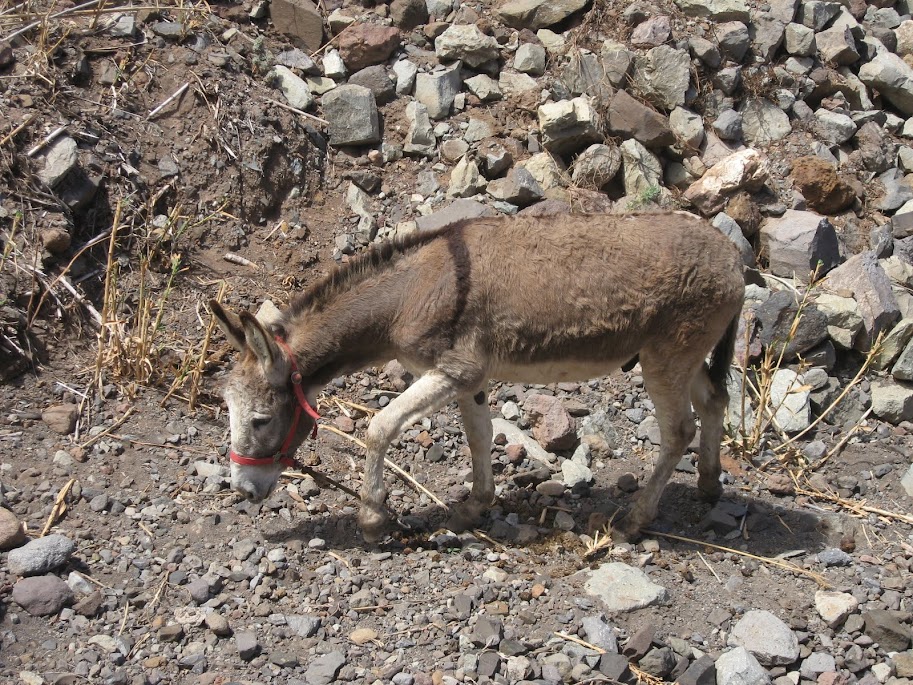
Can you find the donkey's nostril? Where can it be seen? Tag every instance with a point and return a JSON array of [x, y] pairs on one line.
[[247, 493]]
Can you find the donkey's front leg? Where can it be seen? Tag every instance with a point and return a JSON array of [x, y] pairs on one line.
[[428, 394], [477, 424]]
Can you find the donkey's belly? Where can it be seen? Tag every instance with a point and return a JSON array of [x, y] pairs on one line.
[[553, 371]]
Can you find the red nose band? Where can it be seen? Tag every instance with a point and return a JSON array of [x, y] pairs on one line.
[[302, 405]]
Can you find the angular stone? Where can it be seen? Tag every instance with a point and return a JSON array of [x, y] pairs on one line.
[[903, 367], [408, 14], [862, 278], [733, 231], [843, 319], [652, 32], [702, 671], [536, 14], [377, 79], [568, 125], [893, 345], [599, 633], [42, 595], [834, 127], [61, 418], [623, 588], [352, 113], [891, 77], [907, 482], [420, 139], [518, 188], [799, 40], [405, 72], [747, 169], [574, 474], [365, 44], [552, 426], [884, 628], [799, 242], [892, 401], [768, 638], [484, 87], [300, 21], [616, 62], [739, 667], [790, 398], [530, 59], [466, 42], [643, 171], [324, 669], [547, 170], [776, 317], [455, 212], [718, 10], [688, 128], [630, 118], [766, 34], [438, 90], [664, 76], [295, 90], [834, 607], [465, 179], [837, 46], [596, 166], [763, 122], [733, 39]]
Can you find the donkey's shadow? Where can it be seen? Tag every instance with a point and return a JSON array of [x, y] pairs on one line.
[[760, 527]]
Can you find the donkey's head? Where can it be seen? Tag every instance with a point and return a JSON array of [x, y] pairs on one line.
[[268, 415]]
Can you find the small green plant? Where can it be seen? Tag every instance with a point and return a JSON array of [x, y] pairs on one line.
[[645, 197]]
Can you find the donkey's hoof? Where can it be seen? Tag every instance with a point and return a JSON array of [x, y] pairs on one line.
[[710, 492], [465, 516], [373, 524]]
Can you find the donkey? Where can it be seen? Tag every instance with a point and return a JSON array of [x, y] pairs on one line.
[[522, 299]]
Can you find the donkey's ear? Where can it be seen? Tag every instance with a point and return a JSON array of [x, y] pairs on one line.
[[230, 325], [259, 340]]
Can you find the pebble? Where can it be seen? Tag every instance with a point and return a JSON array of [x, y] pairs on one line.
[[40, 555], [247, 644]]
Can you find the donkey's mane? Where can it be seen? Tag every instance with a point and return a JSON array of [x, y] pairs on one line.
[[378, 257]]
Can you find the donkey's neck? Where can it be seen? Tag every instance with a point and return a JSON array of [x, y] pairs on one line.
[[348, 331]]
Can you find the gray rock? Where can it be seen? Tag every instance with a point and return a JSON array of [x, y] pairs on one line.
[[623, 588], [837, 46], [816, 14], [294, 89], [574, 474], [834, 607], [865, 280], [487, 632], [61, 418], [484, 87], [834, 127], [834, 557], [466, 42], [733, 231], [352, 114], [793, 413], [298, 59], [843, 319], [568, 125], [766, 34], [596, 166], [893, 345], [719, 10], [599, 633], [518, 187], [884, 628], [536, 14], [733, 39], [902, 369], [643, 172], [906, 482], [630, 118], [465, 179], [616, 62], [300, 20], [658, 662], [420, 139], [892, 400], [454, 212], [687, 127], [405, 72], [739, 667], [776, 316], [664, 76], [797, 242], [42, 595], [763, 122], [728, 125], [768, 638], [438, 90], [324, 669], [530, 59], [247, 644], [892, 77], [303, 625], [799, 40], [702, 671], [40, 555], [377, 79]]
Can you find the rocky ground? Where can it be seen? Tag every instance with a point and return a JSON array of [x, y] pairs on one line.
[[155, 158]]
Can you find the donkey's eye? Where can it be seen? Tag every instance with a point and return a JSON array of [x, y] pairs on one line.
[[260, 421]]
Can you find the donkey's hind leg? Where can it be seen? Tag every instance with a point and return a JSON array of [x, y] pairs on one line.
[[477, 424], [428, 394], [667, 379], [710, 400]]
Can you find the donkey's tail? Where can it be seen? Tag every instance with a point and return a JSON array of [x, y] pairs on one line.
[[722, 355]]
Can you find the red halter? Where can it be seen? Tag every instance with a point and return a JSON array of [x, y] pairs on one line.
[[302, 404]]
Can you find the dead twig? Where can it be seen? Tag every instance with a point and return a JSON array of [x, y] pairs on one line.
[[859, 508], [12, 134], [176, 94], [46, 140], [297, 111], [238, 259], [107, 431], [59, 508]]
